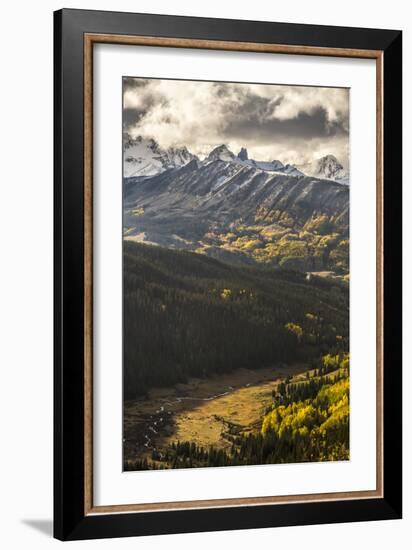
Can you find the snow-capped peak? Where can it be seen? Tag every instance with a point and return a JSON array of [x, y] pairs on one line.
[[145, 157], [221, 153], [328, 167]]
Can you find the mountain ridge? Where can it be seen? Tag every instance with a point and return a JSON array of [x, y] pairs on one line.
[[144, 157], [241, 214]]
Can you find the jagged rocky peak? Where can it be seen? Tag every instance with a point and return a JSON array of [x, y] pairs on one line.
[[180, 155], [242, 155], [144, 157], [328, 166], [221, 153]]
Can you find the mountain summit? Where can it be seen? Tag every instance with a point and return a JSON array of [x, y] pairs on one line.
[[221, 153], [242, 155], [328, 167], [145, 157]]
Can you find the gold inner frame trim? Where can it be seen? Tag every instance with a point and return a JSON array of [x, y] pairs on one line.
[[89, 40]]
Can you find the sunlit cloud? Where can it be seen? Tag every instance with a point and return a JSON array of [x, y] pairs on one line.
[[291, 123]]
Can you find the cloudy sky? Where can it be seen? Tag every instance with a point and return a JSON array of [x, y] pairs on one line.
[[295, 124]]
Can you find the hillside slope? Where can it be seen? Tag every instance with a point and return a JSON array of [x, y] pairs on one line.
[[186, 315], [242, 214]]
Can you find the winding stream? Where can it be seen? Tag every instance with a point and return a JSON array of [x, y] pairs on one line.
[[154, 426]]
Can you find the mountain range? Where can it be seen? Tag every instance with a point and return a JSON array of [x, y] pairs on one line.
[[144, 157], [237, 209]]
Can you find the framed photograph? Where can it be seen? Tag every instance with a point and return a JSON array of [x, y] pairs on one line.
[[227, 274]]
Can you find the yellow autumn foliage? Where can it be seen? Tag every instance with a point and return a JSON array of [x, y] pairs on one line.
[[323, 422]]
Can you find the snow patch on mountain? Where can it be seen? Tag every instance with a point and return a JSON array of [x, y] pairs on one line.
[[223, 153], [144, 157], [328, 168], [220, 153]]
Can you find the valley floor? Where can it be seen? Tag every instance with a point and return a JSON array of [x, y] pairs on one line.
[[207, 412]]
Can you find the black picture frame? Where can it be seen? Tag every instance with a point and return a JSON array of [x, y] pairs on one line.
[[70, 520]]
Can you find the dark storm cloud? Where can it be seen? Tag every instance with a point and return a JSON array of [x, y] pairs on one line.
[[250, 106], [131, 83], [292, 123], [131, 117], [305, 126], [253, 115], [133, 114]]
